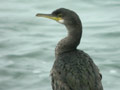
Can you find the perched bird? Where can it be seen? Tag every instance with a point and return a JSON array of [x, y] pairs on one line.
[[73, 69]]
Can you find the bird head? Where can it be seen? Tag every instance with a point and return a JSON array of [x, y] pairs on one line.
[[63, 16]]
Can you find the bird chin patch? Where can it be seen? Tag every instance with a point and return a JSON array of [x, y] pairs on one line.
[[61, 21]]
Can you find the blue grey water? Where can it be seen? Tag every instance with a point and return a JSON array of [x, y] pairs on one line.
[[27, 42]]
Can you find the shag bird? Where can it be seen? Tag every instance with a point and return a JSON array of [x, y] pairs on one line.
[[73, 69]]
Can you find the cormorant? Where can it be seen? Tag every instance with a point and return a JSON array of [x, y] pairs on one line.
[[73, 69]]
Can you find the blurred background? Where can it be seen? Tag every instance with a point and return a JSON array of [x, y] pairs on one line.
[[27, 42]]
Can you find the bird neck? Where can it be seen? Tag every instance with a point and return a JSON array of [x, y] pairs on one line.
[[71, 41]]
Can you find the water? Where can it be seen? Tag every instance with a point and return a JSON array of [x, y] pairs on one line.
[[27, 43]]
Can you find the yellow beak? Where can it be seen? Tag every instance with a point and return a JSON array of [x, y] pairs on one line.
[[49, 16]]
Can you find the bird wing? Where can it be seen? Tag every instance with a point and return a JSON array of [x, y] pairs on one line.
[[84, 78]]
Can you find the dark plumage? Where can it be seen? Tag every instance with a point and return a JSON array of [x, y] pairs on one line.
[[73, 69]]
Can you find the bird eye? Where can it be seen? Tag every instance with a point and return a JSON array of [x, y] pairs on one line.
[[59, 15]]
